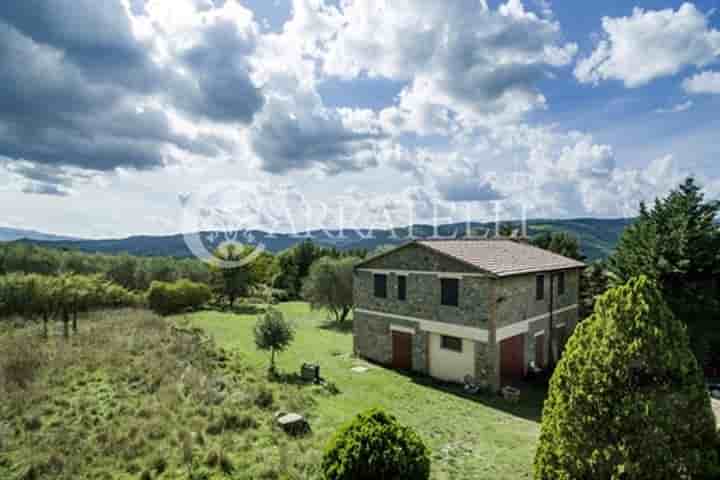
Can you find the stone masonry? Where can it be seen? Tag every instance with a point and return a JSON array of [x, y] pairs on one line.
[[486, 302]]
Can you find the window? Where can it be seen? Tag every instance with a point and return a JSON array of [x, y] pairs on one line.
[[402, 287], [380, 285], [449, 291], [451, 343], [561, 283], [540, 287]]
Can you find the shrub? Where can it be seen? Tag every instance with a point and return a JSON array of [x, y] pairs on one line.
[[274, 333], [169, 298], [375, 446], [627, 399]]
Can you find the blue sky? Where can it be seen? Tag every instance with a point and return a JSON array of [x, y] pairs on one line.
[[120, 117]]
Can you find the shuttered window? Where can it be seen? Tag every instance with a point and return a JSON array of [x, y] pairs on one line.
[[402, 287]]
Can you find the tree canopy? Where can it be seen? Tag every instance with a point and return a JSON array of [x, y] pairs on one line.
[[562, 243], [627, 399], [330, 285], [246, 267], [677, 243]]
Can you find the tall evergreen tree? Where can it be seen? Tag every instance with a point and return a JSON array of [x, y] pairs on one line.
[[627, 400], [677, 244]]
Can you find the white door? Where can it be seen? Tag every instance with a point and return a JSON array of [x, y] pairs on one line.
[[452, 358]]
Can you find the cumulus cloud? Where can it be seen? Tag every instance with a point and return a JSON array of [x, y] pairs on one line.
[[299, 133], [42, 179], [213, 54], [457, 56], [650, 44], [85, 91], [703, 82]]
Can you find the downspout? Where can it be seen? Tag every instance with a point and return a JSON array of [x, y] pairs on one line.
[[551, 301]]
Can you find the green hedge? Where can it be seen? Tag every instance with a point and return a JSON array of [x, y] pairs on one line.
[[168, 298]]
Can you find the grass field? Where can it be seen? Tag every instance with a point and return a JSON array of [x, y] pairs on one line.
[[478, 438]]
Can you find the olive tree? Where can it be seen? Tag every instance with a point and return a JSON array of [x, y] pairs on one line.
[[330, 285]]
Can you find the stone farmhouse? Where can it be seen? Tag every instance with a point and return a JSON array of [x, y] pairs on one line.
[[465, 308]]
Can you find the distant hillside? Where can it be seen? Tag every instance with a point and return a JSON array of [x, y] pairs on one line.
[[10, 234], [597, 236]]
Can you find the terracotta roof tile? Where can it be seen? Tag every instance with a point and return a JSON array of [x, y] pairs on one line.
[[502, 257]]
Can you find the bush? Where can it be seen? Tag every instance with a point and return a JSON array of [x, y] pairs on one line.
[[376, 446], [169, 298], [627, 399]]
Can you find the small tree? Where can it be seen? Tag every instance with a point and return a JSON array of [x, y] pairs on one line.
[[376, 446], [273, 333], [627, 399], [330, 285]]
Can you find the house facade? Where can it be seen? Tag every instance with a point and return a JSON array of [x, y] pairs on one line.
[[466, 307]]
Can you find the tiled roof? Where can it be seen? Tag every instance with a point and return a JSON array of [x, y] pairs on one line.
[[502, 257]]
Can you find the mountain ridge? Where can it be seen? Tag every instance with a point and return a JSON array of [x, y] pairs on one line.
[[597, 237]]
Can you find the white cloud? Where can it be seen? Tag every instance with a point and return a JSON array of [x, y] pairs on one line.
[[703, 82], [650, 44], [677, 108], [459, 57]]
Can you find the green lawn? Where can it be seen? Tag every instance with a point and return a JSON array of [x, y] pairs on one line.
[[474, 438]]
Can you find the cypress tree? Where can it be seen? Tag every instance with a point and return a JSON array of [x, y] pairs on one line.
[[627, 400]]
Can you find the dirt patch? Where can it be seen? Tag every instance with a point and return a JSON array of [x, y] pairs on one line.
[[716, 409]]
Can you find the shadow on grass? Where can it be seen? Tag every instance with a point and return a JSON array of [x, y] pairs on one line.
[[529, 406], [340, 327]]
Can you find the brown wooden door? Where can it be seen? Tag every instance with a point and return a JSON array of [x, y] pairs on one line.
[[540, 351], [512, 357], [401, 350]]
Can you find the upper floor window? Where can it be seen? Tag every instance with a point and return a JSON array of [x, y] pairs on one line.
[[449, 288], [402, 287], [380, 285], [561, 283], [540, 287]]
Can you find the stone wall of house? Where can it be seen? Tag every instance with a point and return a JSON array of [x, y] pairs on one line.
[[485, 368], [373, 340], [423, 298], [507, 300], [516, 297]]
